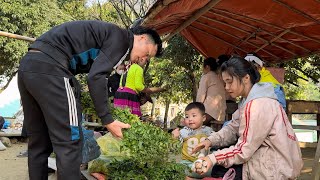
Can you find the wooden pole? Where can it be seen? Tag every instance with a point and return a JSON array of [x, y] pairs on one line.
[[15, 36], [157, 10], [272, 40], [199, 13]]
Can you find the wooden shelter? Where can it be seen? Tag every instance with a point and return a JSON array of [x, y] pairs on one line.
[[278, 30]]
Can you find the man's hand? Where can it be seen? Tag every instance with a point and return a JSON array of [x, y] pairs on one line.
[[204, 144], [116, 128]]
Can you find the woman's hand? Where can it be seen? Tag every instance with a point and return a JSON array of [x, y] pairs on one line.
[[204, 167], [204, 144]]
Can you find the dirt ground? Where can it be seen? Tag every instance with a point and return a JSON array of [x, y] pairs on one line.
[[16, 168], [11, 166]]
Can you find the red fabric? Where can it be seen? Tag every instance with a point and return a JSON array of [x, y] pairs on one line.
[[223, 29]]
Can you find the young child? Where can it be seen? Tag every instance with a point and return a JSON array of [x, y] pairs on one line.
[[266, 144], [267, 77], [128, 96], [192, 134]]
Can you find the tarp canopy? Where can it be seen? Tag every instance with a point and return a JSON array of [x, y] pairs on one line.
[[277, 30]]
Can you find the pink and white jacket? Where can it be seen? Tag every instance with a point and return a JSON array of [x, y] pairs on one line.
[[265, 142]]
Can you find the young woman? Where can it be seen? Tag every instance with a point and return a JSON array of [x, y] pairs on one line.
[[265, 142], [211, 92]]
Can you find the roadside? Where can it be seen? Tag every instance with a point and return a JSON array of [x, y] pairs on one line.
[[16, 168], [11, 166]]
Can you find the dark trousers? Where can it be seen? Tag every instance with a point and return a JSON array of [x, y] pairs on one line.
[[219, 171], [52, 115]]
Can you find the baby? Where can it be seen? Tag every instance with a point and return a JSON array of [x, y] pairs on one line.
[[192, 134]]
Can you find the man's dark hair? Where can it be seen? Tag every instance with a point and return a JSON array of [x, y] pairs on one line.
[[154, 36], [196, 105]]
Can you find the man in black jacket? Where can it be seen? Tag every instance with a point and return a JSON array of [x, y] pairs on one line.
[[50, 93]]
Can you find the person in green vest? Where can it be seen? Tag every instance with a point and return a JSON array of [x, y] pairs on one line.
[[266, 76]]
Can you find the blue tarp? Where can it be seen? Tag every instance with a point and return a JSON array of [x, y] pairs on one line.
[[10, 109]]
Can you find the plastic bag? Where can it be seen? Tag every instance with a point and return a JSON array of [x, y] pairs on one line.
[[110, 146], [110, 150], [90, 148]]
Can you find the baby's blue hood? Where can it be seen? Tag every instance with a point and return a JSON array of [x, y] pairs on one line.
[[259, 90]]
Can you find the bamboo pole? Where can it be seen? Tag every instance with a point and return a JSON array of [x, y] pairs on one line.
[[15, 36], [199, 13], [157, 10], [272, 40]]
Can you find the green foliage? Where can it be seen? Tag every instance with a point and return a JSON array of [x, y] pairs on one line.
[[128, 169], [178, 71], [146, 142], [149, 148], [301, 76], [24, 17]]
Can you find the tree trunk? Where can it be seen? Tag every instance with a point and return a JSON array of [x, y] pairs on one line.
[[194, 86], [165, 126]]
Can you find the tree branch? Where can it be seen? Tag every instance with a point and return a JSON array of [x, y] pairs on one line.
[[133, 10], [292, 83], [9, 80], [308, 75]]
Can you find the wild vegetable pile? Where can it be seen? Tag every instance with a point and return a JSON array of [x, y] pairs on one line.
[[144, 153]]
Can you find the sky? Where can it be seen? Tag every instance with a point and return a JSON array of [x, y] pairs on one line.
[[10, 99]]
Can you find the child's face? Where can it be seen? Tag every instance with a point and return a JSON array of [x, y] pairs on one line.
[[194, 118]]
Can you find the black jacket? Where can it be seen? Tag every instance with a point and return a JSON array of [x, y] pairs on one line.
[[93, 47], [113, 84]]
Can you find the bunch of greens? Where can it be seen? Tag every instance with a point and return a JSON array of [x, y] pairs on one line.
[[149, 148]]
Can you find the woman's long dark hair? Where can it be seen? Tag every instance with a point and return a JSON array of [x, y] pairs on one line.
[[212, 63], [239, 67]]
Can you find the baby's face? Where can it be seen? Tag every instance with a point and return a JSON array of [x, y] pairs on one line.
[[194, 118]]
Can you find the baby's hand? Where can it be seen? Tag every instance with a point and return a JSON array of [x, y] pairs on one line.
[[176, 133]]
